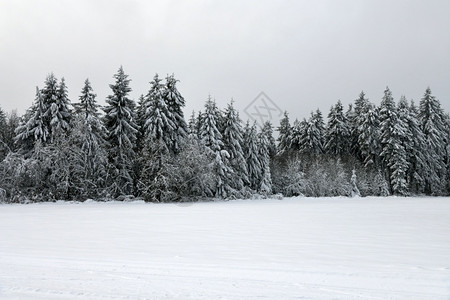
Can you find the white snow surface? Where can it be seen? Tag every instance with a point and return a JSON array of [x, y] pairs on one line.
[[298, 248]]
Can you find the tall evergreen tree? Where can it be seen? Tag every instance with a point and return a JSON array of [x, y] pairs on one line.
[[159, 125], [212, 139], [4, 148], [369, 136], [90, 132], [393, 154], [265, 180], [58, 112], [33, 127], [121, 133], [432, 124], [267, 130], [284, 133], [337, 133], [355, 118], [311, 140], [175, 103], [252, 157], [233, 141]]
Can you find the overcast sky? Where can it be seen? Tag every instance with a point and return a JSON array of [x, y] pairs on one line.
[[303, 54]]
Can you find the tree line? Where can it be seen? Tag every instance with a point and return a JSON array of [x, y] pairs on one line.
[[77, 151]]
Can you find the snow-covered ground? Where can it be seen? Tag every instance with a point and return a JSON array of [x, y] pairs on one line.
[[334, 248]]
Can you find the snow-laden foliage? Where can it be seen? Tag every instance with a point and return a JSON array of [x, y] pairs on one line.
[[233, 141], [393, 153], [53, 152], [284, 132], [175, 104], [431, 118], [90, 134], [121, 134], [252, 156], [337, 132], [211, 138]]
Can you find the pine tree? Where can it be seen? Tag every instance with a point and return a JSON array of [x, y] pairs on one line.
[[58, 112], [233, 141], [355, 118], [121, 133], [393, 154], [90, 133], [175, 103], [192, 128], [414, 145], [159, 125], [311, 137], [267, 130], [265, 180], [252, 156], [432, 124], [33, 127], [4, 148], [298, 135], [369, 137], [212, 139], [284, 131], [337, 133]]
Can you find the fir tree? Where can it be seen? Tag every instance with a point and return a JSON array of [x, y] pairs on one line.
[[90, 133], [121, 133], [175, 103], [252, 156], [265, 180], [159, 125], [233, 141], [33, 127], [392, 132], [432, 124], [58, 112], [337, 133], [267, 130], [284, 133], [369, 138], [4, 148], [356, 118], [414, 145], [212, 139]]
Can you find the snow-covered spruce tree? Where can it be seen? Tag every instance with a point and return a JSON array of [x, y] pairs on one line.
[[33, 127], [252, 157], [356, 118], [311, 139], [175, 103], [265, 181], [89, 132], [121, 134], [393, 153], [212, 139], [298, 134], [192, 128], [159, 122], [431, 119], [233, 141], [4, 148], [284, 133], [414, 145], [337, 132], [267, 130], [58, 112], [369, 137], [158, 132]]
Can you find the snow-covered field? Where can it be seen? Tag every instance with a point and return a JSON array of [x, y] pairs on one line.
[[335, 248]]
